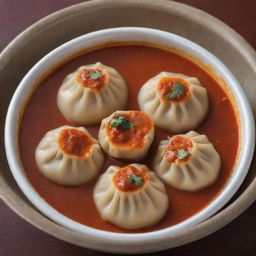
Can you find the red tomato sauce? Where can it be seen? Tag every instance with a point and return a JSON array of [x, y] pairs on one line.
[[125, 181], [166, 88], [74, 142], [175, 144], [137, 64], [132, 138], [91, 78]]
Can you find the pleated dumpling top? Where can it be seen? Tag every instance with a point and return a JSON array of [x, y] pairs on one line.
[[187, 161], [91, 93], [175, 102], [69, 156], [130, 197]]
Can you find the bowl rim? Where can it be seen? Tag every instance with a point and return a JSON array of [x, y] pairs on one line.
[[245, 156]]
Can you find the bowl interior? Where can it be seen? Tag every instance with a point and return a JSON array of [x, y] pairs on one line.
[[154, 37]]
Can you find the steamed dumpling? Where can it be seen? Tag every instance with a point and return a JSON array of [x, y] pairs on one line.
[[91, 93], [131, 197], [187, 161], [175, 102], [126, 134], [69, 156]]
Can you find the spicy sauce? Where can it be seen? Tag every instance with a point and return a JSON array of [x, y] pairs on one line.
[[92, 78], [169, 90], [74, 142], [176, 144], [125, 179], [137, 64], [132, 138]]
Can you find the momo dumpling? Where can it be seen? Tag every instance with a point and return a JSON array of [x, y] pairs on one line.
[[187, 161], [130, 197], [175, 102], [91, 93], [126, 134], [69, 156]]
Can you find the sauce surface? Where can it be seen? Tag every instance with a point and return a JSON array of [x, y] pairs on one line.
[[137, 64], [179, 149], [133, 137], [130, 179], [173, 89], [74, 142]]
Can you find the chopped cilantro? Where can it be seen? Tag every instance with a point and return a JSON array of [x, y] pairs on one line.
[[176, 91], [138, 181], [121, 122], [94, 75], [182, 154]]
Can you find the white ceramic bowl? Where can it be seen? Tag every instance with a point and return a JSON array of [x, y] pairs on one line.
[[129, 242]]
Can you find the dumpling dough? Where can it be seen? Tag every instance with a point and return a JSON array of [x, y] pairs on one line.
[[126, 134], [131, 197], [187, 161], [69, 156], [91, 93], [175, 102]]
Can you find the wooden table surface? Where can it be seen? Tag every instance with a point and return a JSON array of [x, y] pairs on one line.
[[18, 238]]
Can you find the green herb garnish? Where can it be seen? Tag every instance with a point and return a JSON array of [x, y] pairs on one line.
[[138, 181], [182, 154], [94, 75], [121, 122], [176, 91]]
